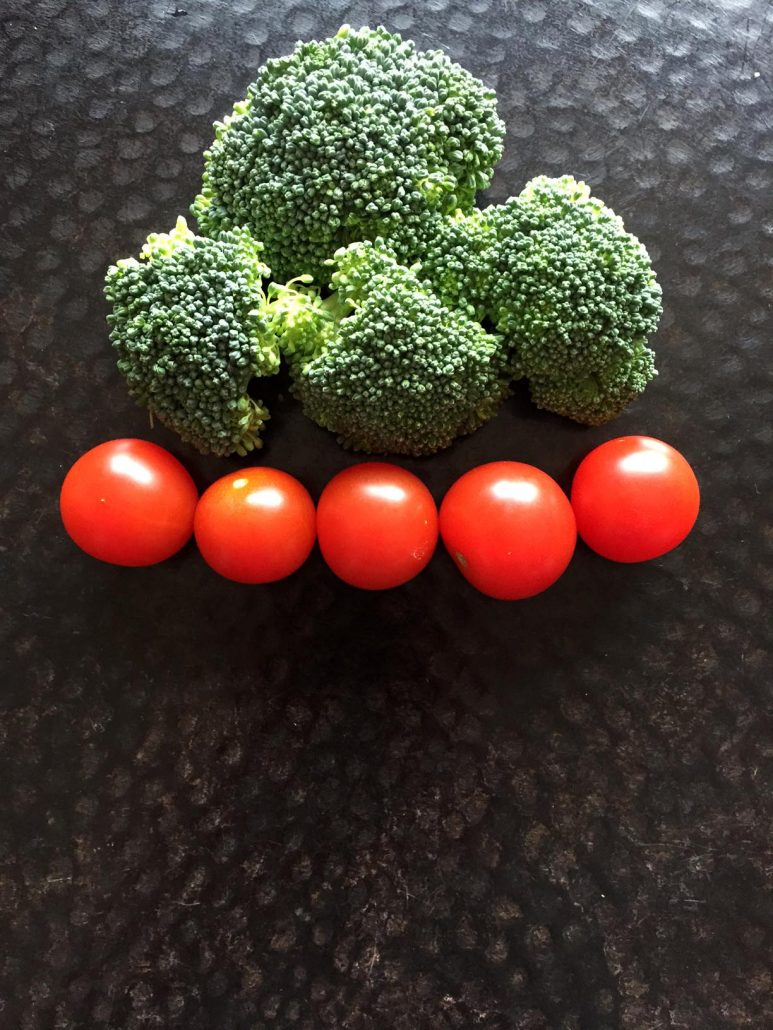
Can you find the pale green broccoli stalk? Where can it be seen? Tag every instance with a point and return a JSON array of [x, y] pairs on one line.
[[355, 137], [382, 362], [572, 293], [191, 329]]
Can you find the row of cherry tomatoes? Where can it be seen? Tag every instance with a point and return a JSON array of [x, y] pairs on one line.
[[509, 527]]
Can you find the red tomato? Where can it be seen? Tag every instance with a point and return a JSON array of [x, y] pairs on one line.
[[377, 525], [510, 529], [255, 525], [635, 498], [128, 502]]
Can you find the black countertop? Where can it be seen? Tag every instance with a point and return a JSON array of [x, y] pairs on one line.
[[307, 807]]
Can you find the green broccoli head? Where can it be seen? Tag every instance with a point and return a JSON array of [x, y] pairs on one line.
[[355, 137], [383, 362], [572, 293], [571, 290], [189, 323]]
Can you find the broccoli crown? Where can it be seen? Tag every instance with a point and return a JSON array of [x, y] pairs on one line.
[[189, 323], [573, 292], [384, 363], [355, 137]]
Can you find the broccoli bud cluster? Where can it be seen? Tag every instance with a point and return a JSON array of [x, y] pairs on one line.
[[351, 138], [572, 293], [394, 370], [190, 327]]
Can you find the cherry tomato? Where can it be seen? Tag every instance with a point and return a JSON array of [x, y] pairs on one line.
[[377, 525], [128, 502], [255, 525], [635, 498], [510, 529]]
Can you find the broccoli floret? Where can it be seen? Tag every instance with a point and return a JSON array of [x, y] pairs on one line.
[[190, 325], [575, 296], [383, 362], [572, 293], [351, 138]]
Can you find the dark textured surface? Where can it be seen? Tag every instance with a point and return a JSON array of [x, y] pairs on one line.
[[303, 807]]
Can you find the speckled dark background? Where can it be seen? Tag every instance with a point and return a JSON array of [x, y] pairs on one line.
[[243, 809]]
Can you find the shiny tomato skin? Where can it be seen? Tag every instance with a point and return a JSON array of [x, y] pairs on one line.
[[635, 498], [377, 525], [128, 502], [509, 528], [255, 525]]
